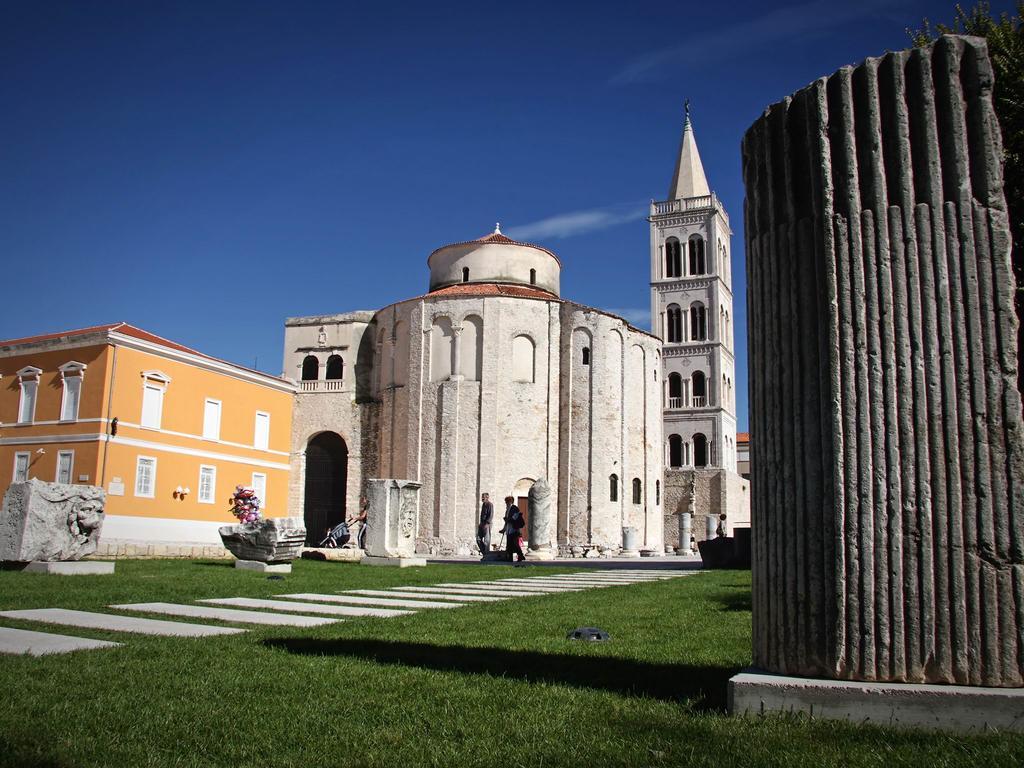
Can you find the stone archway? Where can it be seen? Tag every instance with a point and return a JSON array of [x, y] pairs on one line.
[[326, 480]]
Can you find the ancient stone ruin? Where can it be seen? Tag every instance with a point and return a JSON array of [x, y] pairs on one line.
[[50, 522], [271, 540], [886, 420]]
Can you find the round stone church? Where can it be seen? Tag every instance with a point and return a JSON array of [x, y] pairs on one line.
[[485, 384]]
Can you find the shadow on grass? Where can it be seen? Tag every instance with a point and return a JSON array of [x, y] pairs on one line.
[[736, 601], [214, 563], [701, 687]]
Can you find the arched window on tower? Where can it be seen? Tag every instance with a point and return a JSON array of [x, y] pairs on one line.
[[698, 322], [465, 274], [638, 496], [533, 277], [657, 492], [699, 389], [335, 367], [700, 450], [698, 260], [673, 258], [613, 488], [586, 355], [673, 324], [675, 451], [310, 368], [675, 390]]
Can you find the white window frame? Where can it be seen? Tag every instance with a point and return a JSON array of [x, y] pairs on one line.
[[71, 466], [152, 487], [261, 493], [71, 371], [262, 445], [213, 484], [28, 465], [209, 432], [156, 381], [29, 379]]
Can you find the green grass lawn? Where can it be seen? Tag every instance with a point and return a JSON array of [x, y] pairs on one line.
[[491, 684]]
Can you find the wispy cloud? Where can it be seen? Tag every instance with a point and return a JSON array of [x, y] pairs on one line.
[[579, 222], [755, 34], [638, 316]]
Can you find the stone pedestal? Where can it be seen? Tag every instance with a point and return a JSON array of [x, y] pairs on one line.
[[685, 522], [542, 540], [392, 519], [71, 568], [888, 518], [262, 567]]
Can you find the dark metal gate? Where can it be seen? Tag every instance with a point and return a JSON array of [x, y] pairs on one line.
[[326, 480]]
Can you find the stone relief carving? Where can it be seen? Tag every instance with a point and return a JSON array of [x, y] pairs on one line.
[[50, 521]]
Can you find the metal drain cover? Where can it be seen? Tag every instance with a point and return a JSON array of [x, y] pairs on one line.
[[590, 634]]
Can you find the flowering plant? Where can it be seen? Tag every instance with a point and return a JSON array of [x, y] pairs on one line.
[[245, 505]]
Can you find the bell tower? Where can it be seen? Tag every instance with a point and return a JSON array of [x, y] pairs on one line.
[[692, 313]]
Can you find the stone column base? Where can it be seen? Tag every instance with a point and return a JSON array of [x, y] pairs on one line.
[[907, 705], [397, 562], [541, 554], [70, 567], [261, 567]]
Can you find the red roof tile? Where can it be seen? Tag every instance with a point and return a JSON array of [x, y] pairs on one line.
[[496, 238], [742, 437], [493, 289]]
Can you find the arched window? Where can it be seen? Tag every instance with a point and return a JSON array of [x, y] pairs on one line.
[[310, 368], [442, 349], [674, 324], [698, 262], [471, 341], [523, 359], [638, 496], [673, 258], [675, 451], [700, 450], [533, 277], [699, 389], [657, 492], [586, 355], [698, 322], [465, 274], [335, 367], [675, 390], [613, 488]]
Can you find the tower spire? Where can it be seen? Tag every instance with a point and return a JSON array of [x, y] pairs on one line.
[[689, 179]]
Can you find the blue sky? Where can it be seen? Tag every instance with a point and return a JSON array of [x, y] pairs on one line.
[[204, 170]]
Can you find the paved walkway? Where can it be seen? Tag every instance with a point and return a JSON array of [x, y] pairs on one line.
[[303, 609]]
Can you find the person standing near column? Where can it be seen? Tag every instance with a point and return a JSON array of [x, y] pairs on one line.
[[483, 531], [514, 523]]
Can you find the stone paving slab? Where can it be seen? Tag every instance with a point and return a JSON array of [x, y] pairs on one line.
[[21, 641], [387, 602], [506, 593], [331, 610], [228, 614], [427, 595], [570, 583], [518, 587], [113, 623], [465, 595]]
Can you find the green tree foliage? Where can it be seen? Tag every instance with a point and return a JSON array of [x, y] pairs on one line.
[[1005, 38]]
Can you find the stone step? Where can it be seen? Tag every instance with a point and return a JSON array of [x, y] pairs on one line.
[[330, 610], [493, 592], [21, 641], [227, 614], [570, 583], [113, 623], [393, 602], [519, 588], [466, 596]]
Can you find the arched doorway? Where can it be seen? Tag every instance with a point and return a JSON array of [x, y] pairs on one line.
[[326, 480]]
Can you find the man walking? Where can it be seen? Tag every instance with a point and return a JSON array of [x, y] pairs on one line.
[[514, 523], [483, 530]]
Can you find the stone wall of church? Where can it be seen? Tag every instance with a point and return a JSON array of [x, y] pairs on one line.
[[715, 491]]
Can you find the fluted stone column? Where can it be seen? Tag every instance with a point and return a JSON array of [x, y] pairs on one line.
[[887, 491]]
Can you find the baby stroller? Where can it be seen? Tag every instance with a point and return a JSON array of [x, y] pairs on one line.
[[338, 536]]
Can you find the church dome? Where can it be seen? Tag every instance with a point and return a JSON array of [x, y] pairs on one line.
[[494, 258]]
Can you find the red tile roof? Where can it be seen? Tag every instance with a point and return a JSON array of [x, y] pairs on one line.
[[496, 238], [126, 330], [493, 289], [742, 437]]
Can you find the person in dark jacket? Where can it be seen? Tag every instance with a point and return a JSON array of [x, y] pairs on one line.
[[514, 523], [483, 530]]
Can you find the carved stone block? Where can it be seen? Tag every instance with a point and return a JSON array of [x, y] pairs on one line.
[[392, 518], [272, 540], [50, 521]]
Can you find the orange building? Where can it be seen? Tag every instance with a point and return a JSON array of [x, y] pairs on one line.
[[166, 430]]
